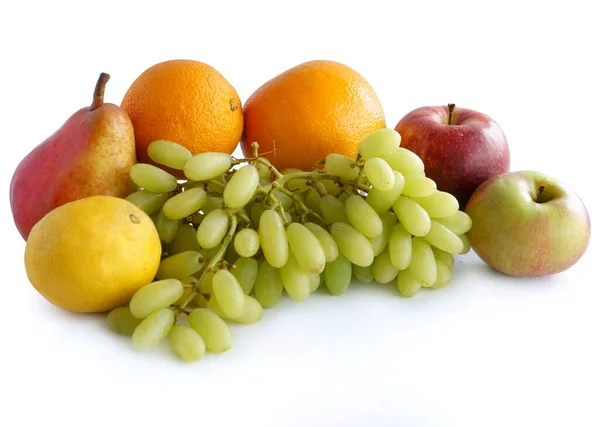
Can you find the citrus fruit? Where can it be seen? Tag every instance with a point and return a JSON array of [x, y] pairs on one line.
[[309, 111], [184, 101], [91, 255]]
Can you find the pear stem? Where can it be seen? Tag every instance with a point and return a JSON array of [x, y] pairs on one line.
[[450, 112], [540, 192], [99, 91]]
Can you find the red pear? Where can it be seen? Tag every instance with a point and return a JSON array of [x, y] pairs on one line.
[[90, 155]]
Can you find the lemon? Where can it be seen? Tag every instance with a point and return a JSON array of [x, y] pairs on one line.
[[91, 255]]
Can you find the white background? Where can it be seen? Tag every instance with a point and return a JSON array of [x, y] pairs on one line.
[[488, 350]]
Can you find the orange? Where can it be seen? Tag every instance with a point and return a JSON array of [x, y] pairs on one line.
[[187, 102], [311, 110]]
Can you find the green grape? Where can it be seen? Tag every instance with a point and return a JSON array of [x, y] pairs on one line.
[[363, 217], [418, 186], [245, 272], [205, 166], [205, 285], [253, 311], [466, 244], [380, 143], [458, 223], [264, 172], [256, 211], [333, 210], [208, 253], [273, 239], [169, 153], [331, 187], [352, 244], [297, 184], [180, 265], [407, 284], [228, 293], [313, 200], [152, 178], [264, 182], [327, 243], [400, 247], [380, 174], [363, 274], [187, 343], [444, 239], [268, 286], [382, 201], [200, 301], [246, 242], [197, 218], [213, 330], [211, 204], [213, 228], [422, 263], [154, 296], [167, 228], [121, 321], [148, 201], [296, 280], [184, 204], [315, 281], [185, 240], [444, 257], [306, 248], [188, 185], [444, 275], [383, 270], [230, 254], [405, 161], [342, 197], [439, 204], [284, 199], [379, 243], [342, 166], [412, 216], [338, 275], [241, 187], [153, 329]]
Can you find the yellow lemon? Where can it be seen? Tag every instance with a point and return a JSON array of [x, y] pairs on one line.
[[91, 255]]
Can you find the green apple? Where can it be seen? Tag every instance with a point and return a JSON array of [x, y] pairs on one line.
[[528, 224]]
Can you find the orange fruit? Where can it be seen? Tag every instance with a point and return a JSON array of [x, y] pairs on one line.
[[311, 110], [187, 102]]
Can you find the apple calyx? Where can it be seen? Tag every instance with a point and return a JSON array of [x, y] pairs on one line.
[[540, 192], [450, 111], [98, 99]]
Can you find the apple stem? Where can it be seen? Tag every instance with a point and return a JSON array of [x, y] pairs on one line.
[[540, 191], [99, 91], [450, 111]]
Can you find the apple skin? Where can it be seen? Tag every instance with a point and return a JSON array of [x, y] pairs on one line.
[[519, 232], [459, 156]]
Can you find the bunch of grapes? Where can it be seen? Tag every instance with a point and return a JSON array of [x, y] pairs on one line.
[[238, 233]]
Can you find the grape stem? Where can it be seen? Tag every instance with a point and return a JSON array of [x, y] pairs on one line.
[[300, 205], [214, 261], [217, 183]]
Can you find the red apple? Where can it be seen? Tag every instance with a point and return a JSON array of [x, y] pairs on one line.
[[528, 224], [460, 148]]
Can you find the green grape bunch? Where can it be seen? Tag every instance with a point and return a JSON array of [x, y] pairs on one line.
[[238, 233]]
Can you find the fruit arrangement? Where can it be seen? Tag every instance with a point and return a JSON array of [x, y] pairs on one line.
[[152, 220]]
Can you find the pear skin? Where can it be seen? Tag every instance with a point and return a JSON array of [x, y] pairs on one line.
[[91, 154]]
